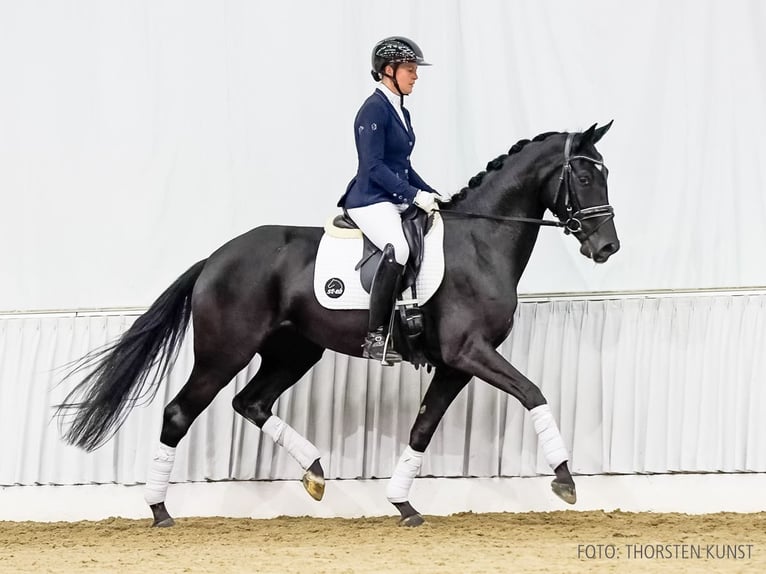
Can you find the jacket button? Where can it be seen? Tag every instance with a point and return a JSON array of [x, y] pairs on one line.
[[410, 144], [406, 171]]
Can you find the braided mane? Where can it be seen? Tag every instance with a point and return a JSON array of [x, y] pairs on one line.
[[497, 163]]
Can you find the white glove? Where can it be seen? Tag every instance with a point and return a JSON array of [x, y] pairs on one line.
[[426, 201]]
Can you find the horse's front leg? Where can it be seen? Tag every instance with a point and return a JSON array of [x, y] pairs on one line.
[[479, 358], [444, 387]]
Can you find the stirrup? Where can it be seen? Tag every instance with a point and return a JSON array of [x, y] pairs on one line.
[[378, 348]]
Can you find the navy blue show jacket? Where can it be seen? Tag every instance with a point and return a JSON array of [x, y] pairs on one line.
[[383, 146]]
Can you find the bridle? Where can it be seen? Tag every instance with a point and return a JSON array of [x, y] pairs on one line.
[[574, 214]]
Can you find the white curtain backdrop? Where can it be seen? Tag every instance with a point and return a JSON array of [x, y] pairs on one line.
[[136, 137], [644, 385]]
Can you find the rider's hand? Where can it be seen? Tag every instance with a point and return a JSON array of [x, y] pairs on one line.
[[426, 201]]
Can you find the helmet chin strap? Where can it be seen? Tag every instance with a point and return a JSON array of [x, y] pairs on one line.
[[396, 83]]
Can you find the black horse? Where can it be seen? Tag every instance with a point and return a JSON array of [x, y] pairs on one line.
[[255, 295]]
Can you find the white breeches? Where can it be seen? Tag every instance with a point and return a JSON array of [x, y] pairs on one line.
[[382, 223]]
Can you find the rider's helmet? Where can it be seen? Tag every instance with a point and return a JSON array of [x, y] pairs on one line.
[[395, 50]]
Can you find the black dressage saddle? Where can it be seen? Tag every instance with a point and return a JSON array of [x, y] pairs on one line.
[[415, 224]]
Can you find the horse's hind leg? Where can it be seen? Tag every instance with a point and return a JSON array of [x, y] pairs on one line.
[[223, 346], [444, 387], [286, 357], [203, 385]]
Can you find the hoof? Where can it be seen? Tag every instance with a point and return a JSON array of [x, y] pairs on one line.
[[314, 484], [414, 520], [565, 491], [162, 518], [410, 516], [166, 523]]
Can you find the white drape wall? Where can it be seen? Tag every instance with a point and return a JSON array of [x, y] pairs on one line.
[[638, 385], [136, 137]]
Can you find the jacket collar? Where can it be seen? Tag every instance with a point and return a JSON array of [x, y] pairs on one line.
[[393, 102]]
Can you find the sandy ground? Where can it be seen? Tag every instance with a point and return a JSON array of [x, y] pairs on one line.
[[532, 542]]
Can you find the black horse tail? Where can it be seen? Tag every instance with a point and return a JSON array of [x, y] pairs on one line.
[[128, 371]]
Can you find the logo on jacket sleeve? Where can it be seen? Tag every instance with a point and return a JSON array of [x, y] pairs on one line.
[[334, 288]]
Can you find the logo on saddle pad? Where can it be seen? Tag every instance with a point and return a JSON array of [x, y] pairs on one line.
[[337, 282], [334, 288]]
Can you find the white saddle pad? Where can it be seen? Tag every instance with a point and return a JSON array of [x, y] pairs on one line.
[[337, 284]]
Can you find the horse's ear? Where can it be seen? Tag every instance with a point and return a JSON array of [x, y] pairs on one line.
[[592, 135], [599, 133], [587, 135]]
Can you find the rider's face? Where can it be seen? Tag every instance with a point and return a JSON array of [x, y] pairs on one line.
[[406, 75]]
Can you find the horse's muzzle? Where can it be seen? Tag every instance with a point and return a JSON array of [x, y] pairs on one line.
[[602, 252]]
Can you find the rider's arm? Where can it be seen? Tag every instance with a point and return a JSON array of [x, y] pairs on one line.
[[418, 182]]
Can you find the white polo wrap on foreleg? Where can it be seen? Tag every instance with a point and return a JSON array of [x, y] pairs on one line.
[[159, 474], [549, 436], [285, 435], [398, 489]]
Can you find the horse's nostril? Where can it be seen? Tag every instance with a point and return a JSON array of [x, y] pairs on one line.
[[605, 251]]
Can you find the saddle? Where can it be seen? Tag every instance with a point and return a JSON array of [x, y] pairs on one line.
[[415, 224], [407, 335]]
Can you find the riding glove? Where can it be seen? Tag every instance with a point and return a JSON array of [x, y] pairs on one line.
[[426, 201]]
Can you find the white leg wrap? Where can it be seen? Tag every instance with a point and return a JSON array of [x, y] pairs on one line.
[[159, 474], [549, 436], [398, 489], [285, 435]]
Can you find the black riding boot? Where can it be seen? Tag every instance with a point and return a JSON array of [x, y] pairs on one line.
[[385, 288]]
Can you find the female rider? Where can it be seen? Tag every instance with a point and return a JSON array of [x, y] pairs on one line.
[[385, 183]]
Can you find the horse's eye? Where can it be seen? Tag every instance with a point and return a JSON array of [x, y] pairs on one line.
[[584, 179]]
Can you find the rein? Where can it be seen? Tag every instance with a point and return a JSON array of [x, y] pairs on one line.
[[575, 214], [470, 215]]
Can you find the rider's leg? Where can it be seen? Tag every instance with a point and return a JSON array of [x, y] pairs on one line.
[[385, 288], [382, 224]]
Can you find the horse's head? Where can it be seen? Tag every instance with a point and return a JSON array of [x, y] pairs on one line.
[[579, 196]]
